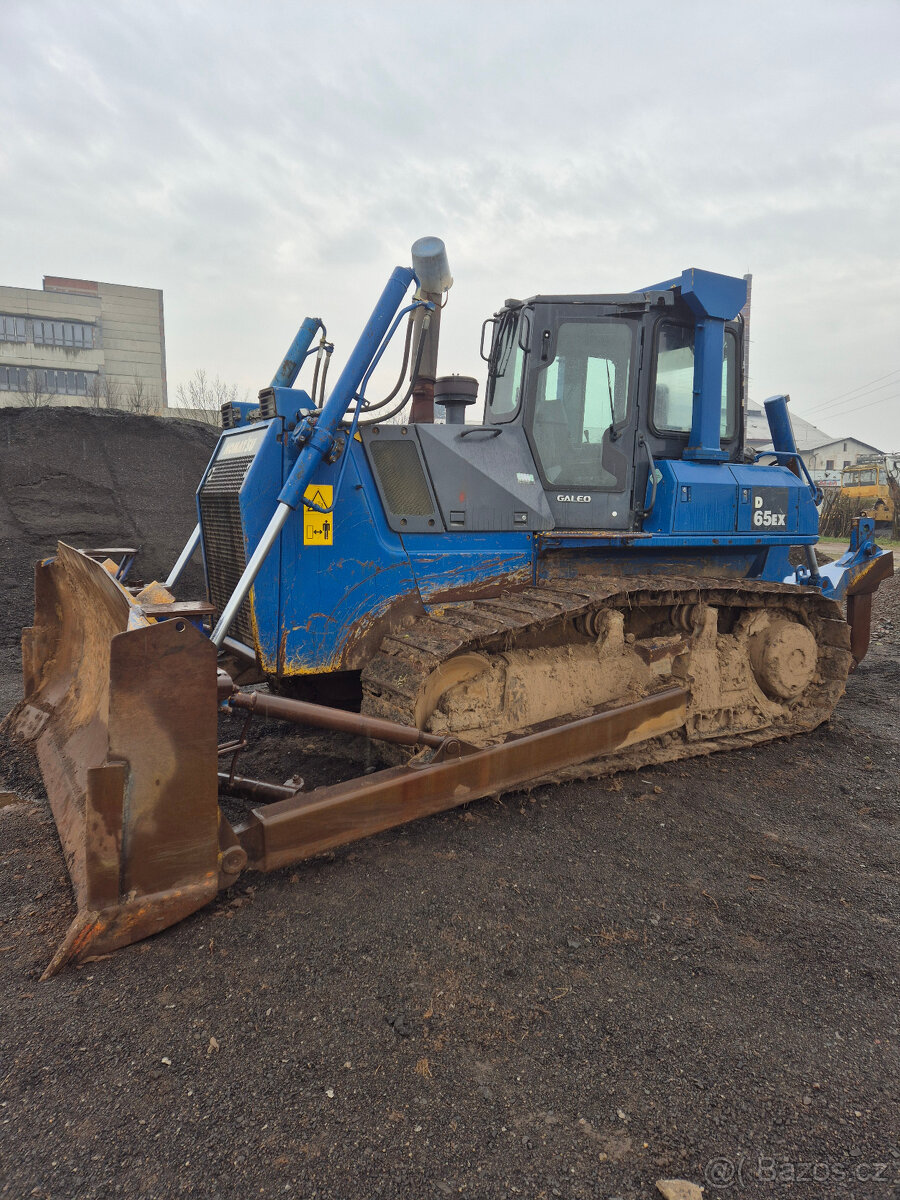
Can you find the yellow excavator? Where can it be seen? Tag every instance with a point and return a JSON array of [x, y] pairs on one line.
[[872, 486]]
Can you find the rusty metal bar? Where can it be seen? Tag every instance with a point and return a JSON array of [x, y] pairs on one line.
[[428, 327], [232, 747], [302, 712], [240, 785], [307, 824]]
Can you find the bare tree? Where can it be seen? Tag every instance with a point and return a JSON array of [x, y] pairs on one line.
[[36, 394], [139, 398], [94, 391], [206, 396], [112, 392]]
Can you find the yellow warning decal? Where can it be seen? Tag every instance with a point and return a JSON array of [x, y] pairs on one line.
[[318, 528]]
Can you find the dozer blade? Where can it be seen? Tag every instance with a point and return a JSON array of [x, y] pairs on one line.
[[122, 712]]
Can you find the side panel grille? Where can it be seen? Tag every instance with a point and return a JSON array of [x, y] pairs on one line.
[[223, 538], [402, 479]]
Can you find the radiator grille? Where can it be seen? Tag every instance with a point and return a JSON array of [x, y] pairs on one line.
[[402, 479], [223, 538]]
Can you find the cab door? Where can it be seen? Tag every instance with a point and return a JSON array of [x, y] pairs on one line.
[[581, 412]]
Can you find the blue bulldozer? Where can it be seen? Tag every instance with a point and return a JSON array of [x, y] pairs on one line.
[[597, 576]]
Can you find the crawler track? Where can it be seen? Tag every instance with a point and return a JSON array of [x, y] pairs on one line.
[[646, 632]]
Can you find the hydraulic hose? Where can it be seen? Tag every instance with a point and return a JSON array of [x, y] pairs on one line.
[[321, 401], [390, 396], [315, 378], [382, 417]]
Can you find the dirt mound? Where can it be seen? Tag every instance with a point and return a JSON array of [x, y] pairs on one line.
[[92, 478]]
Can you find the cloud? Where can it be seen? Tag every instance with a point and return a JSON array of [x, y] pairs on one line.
[[262, 162]]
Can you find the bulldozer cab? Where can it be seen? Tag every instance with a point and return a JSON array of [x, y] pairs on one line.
[[603, 386]]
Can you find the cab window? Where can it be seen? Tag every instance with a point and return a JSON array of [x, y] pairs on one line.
[[673, 397], [506, 368], [581, 398], [862, 478]]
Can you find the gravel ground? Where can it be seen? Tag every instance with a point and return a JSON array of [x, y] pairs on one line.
[[683, 972]]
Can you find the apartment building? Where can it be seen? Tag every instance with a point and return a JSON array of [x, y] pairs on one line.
[[78, 341]]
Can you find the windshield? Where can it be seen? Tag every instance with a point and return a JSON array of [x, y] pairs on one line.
[[861, 478], [582, 395], [506, 367]]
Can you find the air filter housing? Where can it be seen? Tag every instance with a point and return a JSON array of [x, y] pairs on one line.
[[456, 393]]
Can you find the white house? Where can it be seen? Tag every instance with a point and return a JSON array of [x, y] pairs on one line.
[[826, 461]]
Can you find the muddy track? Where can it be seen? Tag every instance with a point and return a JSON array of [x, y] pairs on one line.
[[567, 616]]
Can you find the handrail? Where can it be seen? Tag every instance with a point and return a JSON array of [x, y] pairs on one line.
[[654, 478]]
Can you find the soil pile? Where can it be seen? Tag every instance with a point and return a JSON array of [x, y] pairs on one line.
[[92, 478]]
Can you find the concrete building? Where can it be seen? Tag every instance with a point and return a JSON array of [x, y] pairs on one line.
[[77, 341]]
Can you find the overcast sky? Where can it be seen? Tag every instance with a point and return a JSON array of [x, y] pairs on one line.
[[262, 162]]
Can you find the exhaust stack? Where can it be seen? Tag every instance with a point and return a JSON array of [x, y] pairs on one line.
[[429, 259]]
